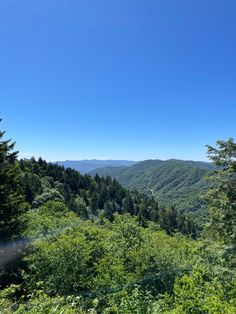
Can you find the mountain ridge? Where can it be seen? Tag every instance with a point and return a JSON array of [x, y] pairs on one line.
[[172, 182], [87, 165]]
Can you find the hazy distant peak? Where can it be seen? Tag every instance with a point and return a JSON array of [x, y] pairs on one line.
[[86, 165]]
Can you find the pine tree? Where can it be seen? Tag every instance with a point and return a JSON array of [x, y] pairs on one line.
[[221, 197], [128, 205], [109, 209], [94, 204], [10, 199]]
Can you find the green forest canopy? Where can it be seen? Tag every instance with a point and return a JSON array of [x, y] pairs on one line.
[[77, 244], [171, 182]]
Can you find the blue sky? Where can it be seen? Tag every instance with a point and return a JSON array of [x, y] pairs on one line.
[[120, 79]]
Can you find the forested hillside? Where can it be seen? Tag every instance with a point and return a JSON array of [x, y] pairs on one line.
[[94, 198], [172, 182], [76, 244]]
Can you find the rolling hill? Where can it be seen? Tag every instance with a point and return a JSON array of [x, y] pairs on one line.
[[85, 166], [172, 182]]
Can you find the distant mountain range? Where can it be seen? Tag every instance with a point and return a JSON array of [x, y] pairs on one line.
[[85, 166], [172, 182]]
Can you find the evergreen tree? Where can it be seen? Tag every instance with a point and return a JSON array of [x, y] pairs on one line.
[[109, 209], [31, 186], [10, 199], [94, 204], [103, 197], [221, 197], [128, 205]]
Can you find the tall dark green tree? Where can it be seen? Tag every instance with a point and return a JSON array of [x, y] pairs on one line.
[[94, 204], [10, 199], [109, 209], [128, 205], [221, 197]]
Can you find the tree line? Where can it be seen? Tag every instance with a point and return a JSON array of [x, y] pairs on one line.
[[80, 244]]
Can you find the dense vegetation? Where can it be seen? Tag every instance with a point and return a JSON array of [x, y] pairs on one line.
[[172, 182], [95, 198], [76, 244]]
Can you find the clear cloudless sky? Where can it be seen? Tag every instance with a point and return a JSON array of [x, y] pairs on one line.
[[119, 79]]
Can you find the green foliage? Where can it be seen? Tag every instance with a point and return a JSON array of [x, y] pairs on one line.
[[49, 219], [38, 302], [62, 264], [91, 246], [7, 297], [222, 195], [72, 256], [135, 301], [91, 197], [10, 198], [172, 182], [200, 293], [31, 186], [11, 206], [47, 195], [63, 248]]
